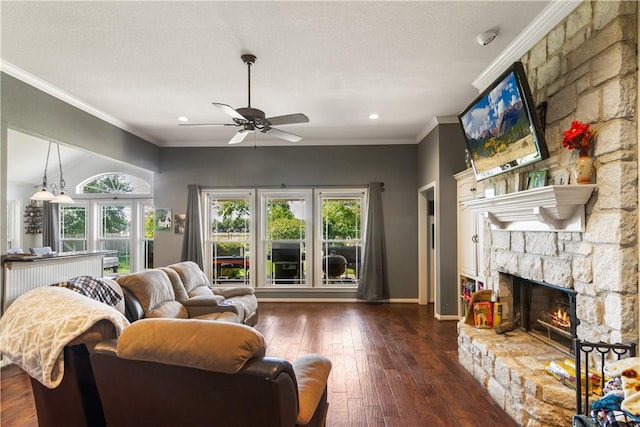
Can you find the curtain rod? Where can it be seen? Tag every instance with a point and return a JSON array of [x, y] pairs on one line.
[[283, 185]]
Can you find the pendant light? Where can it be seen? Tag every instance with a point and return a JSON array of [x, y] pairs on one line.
[[44, 193], [61, 197]]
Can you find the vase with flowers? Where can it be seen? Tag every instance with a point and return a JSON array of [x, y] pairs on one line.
[[580, 137]]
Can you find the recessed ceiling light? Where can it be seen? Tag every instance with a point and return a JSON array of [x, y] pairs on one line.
[[183, 119], [374, 116]]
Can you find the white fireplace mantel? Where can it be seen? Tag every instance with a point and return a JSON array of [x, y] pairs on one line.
[[550, 208]]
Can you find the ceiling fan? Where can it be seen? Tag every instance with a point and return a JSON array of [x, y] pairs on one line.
[[251, 119]]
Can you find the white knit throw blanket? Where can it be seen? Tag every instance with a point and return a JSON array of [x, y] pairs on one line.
[[38, 324]]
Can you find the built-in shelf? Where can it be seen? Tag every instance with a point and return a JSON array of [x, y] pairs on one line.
[[550, 208]]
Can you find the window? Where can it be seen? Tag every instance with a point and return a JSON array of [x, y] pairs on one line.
[[73, 228], [115, 229], [285, 241], [14, 233], [340, 235], [147, 236], [291, 239], [114, 183], [229, 243]]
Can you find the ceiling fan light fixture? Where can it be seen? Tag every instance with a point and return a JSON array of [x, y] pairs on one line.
[[248, 119]]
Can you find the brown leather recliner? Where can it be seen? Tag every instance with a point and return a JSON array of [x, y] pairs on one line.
[[195, 287], [187, 372], [153, 293], [65, 395], [182, 291]]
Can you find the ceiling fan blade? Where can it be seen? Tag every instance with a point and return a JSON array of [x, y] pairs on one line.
[[283, 135], [288, 119], [229, 111], [207, 124], [239, 137]]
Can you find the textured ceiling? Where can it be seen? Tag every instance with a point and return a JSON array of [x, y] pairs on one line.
[[140, 65]]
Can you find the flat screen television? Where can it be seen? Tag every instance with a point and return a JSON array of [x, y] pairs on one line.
[[502, 128]]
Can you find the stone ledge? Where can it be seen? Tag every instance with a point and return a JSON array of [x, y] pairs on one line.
[[511, 367]]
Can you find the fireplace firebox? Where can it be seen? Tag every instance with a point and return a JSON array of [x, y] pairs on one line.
[[546, 311]]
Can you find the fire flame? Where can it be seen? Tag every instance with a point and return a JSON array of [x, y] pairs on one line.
[[561, 318]]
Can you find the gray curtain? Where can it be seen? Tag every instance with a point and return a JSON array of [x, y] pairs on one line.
[[374, 281], [192, 249], [50, 226]]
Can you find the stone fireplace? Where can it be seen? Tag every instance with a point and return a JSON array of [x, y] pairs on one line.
[[587, 284], [586, 69], [512, 365]]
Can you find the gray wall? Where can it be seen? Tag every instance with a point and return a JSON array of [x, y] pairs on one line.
[[34, 112], [440, 156], [428, 162], [302, 166]]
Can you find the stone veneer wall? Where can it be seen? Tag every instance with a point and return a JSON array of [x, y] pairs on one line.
[[586, 69], [512, 368]]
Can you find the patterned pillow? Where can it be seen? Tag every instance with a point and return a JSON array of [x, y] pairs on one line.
[[93, 288]]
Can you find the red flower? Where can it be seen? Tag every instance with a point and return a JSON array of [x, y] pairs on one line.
[[578, 137]]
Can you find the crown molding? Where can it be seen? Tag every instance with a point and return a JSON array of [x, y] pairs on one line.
[[431, 125], [306, 142], [447, 120], [547, 20], [49, 89], [438, 120]]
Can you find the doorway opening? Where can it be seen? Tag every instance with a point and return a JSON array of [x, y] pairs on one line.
[[427, 235]]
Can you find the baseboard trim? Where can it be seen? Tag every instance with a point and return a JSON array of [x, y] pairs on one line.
[[446, 316], [392, 300]]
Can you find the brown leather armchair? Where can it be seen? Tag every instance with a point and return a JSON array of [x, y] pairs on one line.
[[187, 372]]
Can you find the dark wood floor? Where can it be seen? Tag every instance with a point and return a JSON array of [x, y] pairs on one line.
[[393, 365]]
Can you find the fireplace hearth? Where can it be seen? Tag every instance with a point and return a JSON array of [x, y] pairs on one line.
[[546, 311]]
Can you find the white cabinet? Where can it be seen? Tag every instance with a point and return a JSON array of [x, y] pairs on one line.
[[470, 241]]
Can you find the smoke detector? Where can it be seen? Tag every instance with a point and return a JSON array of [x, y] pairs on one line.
[[487, 37]]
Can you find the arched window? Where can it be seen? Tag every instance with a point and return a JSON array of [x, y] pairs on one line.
[[114, 183]]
